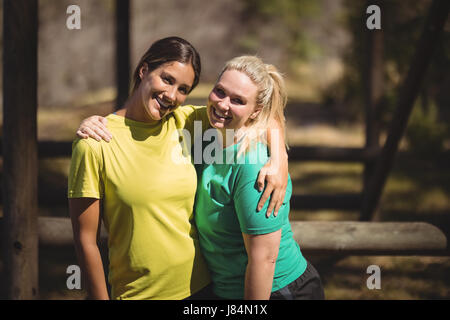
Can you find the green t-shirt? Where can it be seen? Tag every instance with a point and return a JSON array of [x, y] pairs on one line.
[[225, 208], [147, 192]]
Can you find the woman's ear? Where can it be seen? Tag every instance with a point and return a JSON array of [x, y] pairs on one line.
[[143, 70], [256, 112]]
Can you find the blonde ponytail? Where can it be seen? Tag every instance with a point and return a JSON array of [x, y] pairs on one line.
[[279, 97]]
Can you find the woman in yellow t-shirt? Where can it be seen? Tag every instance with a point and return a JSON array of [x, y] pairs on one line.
[[144, 197]]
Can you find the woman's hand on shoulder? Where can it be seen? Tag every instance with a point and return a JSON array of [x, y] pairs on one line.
[[94, 127]]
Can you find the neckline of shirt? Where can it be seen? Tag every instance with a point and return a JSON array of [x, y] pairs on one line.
[[129, 122]]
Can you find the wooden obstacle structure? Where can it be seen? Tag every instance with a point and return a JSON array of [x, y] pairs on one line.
[[346, 238], [22, 229]]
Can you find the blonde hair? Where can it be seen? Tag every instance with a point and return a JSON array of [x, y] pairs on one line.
[[271, 97]]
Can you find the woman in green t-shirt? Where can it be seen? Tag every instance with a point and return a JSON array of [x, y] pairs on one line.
[[249, 255]]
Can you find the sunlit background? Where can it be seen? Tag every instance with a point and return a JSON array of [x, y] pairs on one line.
[[318, 45]]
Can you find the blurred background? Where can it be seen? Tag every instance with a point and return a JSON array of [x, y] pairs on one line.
[[319, 46]]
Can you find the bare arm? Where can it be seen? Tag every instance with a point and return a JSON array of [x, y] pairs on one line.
[[275, 172], [85, 216], [262, 251]]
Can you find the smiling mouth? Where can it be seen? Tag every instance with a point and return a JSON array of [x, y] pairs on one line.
[[163, 106], [219, 115]]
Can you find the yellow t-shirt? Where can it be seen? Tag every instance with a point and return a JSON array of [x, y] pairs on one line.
[[147, 199]]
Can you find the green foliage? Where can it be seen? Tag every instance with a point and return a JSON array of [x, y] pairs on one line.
[[286, 19], [425, 132]]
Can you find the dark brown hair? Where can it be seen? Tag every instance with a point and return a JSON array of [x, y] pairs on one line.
[[169, 50]]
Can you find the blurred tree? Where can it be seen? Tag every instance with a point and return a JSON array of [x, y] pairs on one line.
[[425, 133], [402, 23], [280, 24]]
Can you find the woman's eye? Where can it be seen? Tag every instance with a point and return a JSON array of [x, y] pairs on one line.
[[167, 80], [237, 101], [220, 92]]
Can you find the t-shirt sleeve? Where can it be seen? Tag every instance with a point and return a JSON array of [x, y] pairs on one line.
[[85, 172], [193, 117], [194, 121], [246, 197], [202, 115]]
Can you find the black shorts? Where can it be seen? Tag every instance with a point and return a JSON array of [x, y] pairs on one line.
[[306, 287], [204, 294]]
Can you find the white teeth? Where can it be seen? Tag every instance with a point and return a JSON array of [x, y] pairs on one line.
[[162, 104], [221, 115]]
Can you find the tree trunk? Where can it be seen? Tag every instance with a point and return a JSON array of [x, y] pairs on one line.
[[20, 204]]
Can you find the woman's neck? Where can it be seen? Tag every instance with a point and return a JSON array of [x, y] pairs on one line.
[[230, 137], [134, 109]]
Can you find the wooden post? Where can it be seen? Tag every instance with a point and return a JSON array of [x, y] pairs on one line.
[[20, 230], [122, 51], [433, 27], [373, 92]]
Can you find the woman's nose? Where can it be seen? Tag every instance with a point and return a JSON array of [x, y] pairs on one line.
[[223, 104], [171, 94]]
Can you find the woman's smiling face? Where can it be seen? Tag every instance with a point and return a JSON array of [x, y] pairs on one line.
[[165, 88], [232, 102]]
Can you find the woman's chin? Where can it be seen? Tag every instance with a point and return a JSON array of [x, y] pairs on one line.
[[153, 115], [217, 125]]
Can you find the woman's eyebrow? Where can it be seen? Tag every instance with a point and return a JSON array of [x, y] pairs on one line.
[[220, 86], [230, 93], [237, 96], [167, 74]]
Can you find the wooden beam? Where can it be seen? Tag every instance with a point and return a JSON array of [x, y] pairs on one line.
[[57, 232], [338, 154], [53, 149], [432, 30], [20, 206], [370, 238], [314, 237], [122, 51], [50, 149]]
